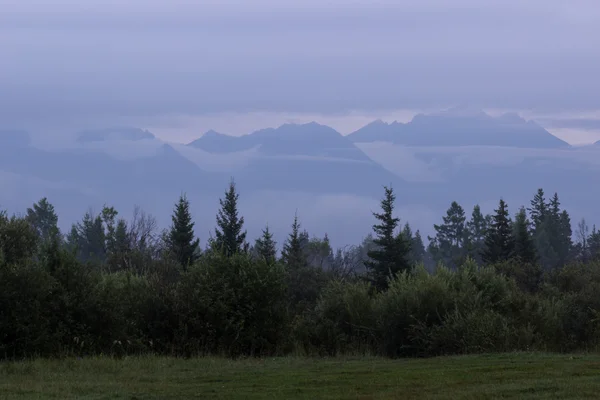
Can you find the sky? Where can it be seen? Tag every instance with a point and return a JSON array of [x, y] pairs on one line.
[[183, 67]]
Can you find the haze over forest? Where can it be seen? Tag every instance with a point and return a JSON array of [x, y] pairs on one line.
[[133, 103]]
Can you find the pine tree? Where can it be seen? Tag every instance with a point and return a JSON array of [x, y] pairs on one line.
[[538, 209], [449, 244], [391, 254], [524, 245], [44, 220], [266, 247], [181, 242], [292, 254], [418, 248], [499, 241], [229, 237], [88, 239], [477, 229]]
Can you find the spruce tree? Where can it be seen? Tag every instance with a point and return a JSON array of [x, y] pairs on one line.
[[449, 244], [477, 229], [392, 250], [181, 242], [538, 209], [266, 247], [44, 220], [229, 238], [499, 241], [292, 254], [418, 248], [524, 245]]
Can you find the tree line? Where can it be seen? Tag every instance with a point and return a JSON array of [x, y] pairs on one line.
[[486, 283]]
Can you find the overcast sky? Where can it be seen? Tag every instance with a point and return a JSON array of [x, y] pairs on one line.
[[80, 59]]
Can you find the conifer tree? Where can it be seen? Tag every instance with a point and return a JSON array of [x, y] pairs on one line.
[[229, 238], [266, 247], [392, 250], [181, 242], [44, 220], [418, 248], [538, 209], [477, 229], [292, 254], [449, 244], [524, 245], [499, 241]]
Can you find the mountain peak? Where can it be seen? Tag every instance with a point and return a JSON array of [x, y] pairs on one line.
[[461, 126], [212, 133]]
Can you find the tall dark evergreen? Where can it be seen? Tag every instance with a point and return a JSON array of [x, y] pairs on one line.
[[499, 241], [181, 242], [449, 245], [477, 229], [265, 247], [538, 209], [391, 254], [292, 254], [44, 220], [524, 249], [88, 239], [230, 238], [416, 254]]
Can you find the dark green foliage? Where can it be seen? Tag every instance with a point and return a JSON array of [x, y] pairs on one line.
[[538, 210], [392, 249], [499, 241], [88, 239], [552, 231], [449, 246], [318, 252], [18, 239], [230, 238], [476, 232], [304, 281], [181, 242], [44, 220], [265, 247], [240, 309], [311, 301], [292, 254], [524, 249]]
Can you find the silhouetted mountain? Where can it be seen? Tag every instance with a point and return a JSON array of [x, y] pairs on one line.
[[309, 157], [123, 133], [460, 128], [310, 139]]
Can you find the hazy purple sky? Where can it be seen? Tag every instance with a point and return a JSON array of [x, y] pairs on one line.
[[78, 58]]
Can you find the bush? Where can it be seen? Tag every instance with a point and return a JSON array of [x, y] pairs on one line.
[[343, 321], [231, 305]]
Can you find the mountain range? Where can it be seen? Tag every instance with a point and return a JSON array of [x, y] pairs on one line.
[[454, 128], [430, 161]]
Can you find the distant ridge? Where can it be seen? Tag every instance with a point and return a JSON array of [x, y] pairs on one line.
[[116, 133], [461, 127], [310, 139]]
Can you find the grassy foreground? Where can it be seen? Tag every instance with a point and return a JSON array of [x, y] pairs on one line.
[[515, 376]]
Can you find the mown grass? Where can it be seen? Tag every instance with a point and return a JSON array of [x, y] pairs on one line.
[[512, 376]]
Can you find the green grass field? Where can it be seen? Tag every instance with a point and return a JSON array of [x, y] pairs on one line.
[[513, 376]]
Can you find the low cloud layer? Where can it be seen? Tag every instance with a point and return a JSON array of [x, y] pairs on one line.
[[92, 59]]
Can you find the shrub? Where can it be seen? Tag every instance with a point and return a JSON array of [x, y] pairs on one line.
[[231, 305]]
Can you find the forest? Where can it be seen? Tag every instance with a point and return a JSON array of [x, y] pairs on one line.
[[508, 281]]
